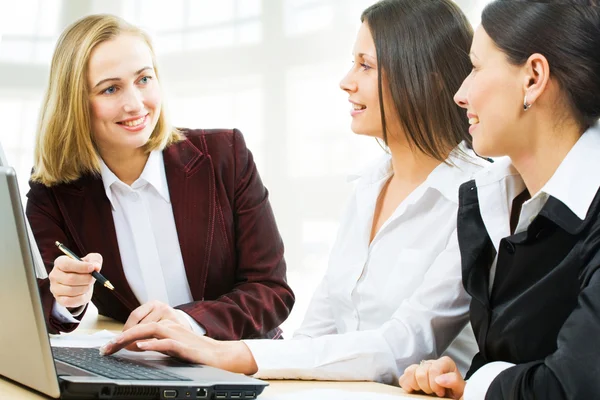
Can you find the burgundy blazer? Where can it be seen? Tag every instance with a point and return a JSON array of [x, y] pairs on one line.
[[231, 248]]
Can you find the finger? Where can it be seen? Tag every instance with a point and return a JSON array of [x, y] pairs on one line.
[[58, 289], [452, 381], [172, 348], [66, 264], [422, 377], [70, 279], [407, 380], [440, 367], [137, 315], [95, 259], [134, 347], [439, 391], [154, 316], [138, 332]]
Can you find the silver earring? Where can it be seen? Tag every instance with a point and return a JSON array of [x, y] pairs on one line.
[[526, 105]]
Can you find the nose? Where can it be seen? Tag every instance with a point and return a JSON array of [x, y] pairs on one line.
[[348, 84], [460, 97], [133, 101]]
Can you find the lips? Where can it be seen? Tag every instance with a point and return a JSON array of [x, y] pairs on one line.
[[133, 122], [473, 118]]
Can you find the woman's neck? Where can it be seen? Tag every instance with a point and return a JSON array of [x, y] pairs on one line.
[[126, 165], [410, 166], [548, 145]]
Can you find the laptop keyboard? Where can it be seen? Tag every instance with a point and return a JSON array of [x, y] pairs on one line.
[[90, 360]]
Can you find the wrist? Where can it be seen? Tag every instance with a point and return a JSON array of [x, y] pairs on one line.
[[237, 357]]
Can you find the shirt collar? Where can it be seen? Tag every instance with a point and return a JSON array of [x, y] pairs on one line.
[[576, 180], [374, 171], [460, 166], [153, 174]]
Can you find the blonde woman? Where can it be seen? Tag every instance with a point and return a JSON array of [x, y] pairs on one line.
[[178, 220]]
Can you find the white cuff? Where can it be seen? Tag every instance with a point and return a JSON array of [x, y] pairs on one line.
[[62, 314], [196, 327], [478, 384]]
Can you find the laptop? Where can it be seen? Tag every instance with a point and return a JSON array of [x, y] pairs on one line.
[[26, 356]]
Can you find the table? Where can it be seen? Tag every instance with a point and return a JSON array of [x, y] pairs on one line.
[[92, 323]]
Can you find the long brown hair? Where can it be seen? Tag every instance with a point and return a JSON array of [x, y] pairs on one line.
[[423, 49]]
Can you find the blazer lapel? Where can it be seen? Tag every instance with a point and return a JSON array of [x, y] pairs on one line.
[[88, 216], [476, 249], [191, 181]]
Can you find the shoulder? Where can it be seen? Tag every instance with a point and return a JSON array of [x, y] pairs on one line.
[[225, 147], [214, 138], [221, 143], [37, 189]]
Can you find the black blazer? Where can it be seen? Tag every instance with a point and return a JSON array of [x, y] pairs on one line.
[[544, 310]]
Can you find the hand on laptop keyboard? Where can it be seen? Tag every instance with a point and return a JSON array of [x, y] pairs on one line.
[[176, 341], [154, 311]]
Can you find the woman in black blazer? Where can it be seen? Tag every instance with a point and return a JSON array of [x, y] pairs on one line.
[[529, 226]]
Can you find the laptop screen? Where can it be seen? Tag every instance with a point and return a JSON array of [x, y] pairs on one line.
[[25, 354]]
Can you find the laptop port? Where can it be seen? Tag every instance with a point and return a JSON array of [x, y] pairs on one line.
[[235, 395], [250, 395], [169, 394], [201, 393], [220, 395]]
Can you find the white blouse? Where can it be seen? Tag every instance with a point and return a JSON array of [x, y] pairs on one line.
[[147, 238], [385, 305]]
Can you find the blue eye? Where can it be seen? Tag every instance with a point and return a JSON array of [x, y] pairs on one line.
[[145, 79], [110, 90]]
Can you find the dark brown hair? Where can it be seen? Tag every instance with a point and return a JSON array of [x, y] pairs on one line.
[[423, 49], [566, 32]]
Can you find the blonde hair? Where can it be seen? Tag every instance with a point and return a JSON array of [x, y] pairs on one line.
[[65, 148]]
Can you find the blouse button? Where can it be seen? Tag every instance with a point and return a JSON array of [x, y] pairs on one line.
[[510, 248]]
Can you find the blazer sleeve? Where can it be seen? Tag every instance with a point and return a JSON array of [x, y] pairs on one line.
[[47, 226], [571, 372], [261, 298]]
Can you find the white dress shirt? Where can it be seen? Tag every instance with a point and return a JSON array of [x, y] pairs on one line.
[[385, 305], [147, 238], [497, 187]]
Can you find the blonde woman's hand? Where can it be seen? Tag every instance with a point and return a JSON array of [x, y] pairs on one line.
[[71, 282]]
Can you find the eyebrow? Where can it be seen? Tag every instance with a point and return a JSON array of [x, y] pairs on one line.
[[118, 79], [368, 55]]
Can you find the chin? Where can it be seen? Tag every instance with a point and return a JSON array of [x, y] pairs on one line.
[[485, 149], [365, 132]]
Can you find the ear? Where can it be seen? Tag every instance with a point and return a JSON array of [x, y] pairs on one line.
[[536, 76]]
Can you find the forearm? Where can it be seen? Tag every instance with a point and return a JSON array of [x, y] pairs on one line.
[[356, 356]]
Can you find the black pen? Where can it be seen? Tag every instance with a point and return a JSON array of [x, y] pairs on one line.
[[95, 273]]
